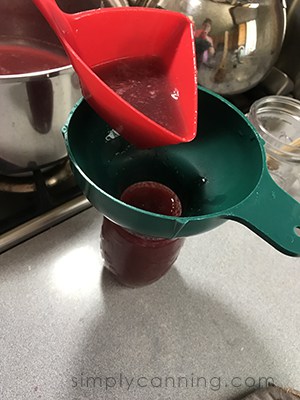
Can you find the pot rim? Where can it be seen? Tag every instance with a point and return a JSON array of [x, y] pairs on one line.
[[37, 75]]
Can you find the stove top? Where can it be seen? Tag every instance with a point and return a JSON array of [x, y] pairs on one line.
[[37, 201]]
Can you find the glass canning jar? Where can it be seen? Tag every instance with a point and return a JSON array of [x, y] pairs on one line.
[[134, 259], [277, 120]]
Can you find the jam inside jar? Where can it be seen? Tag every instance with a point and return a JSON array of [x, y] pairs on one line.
[[138, 260]]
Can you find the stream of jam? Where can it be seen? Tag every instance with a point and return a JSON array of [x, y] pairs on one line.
[[144, 83], [134, 259]]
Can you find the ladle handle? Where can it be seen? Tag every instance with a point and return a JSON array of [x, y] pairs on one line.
[[272, 214], [57, 19]]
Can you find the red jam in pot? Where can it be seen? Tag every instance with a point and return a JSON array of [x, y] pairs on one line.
[[134, 259], [18, 59]]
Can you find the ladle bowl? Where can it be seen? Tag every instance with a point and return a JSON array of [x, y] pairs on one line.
[[220, 175], [99, 37]]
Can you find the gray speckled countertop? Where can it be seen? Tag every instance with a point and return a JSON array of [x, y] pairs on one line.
[[228, 313]]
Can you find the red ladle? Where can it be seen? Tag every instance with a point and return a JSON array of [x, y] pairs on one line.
[[97, 37]]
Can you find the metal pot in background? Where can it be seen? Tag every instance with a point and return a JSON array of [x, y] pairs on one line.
[[244, 39], [289, 60], [34, 105]]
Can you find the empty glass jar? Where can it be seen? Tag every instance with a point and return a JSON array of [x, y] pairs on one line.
[[277, 120]]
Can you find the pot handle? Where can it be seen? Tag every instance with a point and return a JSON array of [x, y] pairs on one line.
[[273, 214]]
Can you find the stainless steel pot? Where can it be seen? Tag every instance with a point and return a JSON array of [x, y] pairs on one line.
[[245, 38], [289, 60], [34, 105]]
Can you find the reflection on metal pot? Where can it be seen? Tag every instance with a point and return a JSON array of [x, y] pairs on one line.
[[237, 41]]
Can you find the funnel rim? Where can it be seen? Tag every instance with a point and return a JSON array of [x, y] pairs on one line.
[[227, 213]]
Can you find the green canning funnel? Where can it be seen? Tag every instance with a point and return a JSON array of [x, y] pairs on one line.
[[222, 174]]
